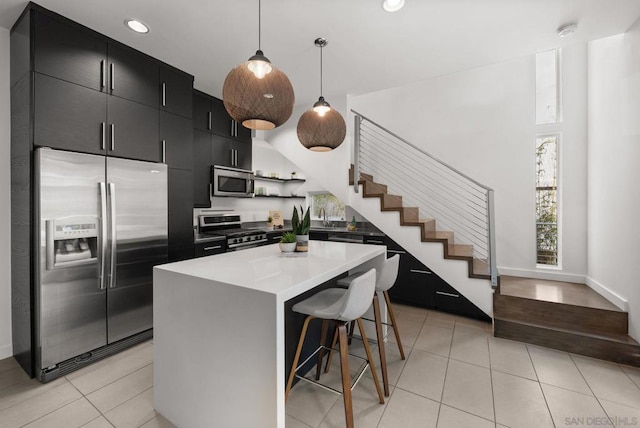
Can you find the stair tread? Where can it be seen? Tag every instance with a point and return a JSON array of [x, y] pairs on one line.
[[460, 250], [619, 338], [554, 291]]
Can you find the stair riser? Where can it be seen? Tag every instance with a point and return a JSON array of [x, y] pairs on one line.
[[609, 350], [557, 315]]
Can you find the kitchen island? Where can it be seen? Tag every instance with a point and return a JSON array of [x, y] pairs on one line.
[[219, 339]]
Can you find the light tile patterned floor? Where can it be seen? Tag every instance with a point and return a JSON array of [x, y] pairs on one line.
[[456, 375]]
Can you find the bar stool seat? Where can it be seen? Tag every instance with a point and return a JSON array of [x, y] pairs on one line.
[[385, 280], [340, 306]]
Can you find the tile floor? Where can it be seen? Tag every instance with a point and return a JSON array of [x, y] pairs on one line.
[[455, 375]]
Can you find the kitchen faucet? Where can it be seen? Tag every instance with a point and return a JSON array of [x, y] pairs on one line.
[[323, 214]]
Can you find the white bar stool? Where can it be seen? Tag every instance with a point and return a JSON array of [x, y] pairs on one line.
[[385, 280], [341, 306]]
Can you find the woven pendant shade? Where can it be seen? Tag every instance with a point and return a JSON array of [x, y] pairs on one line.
[[261, 104], [321, 133]]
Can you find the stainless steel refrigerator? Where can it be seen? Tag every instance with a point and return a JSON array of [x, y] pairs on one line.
[[102, 227]]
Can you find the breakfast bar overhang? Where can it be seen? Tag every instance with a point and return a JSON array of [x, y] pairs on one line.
[[219, 340]]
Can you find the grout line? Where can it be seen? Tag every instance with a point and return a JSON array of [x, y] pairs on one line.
[[590, 389]]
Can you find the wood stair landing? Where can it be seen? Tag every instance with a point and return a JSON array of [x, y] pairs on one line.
[[410, 216], [565, 316]]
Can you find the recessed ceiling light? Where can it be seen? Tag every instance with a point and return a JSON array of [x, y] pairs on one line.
[[565, 30], [392, 5], [137, 26]]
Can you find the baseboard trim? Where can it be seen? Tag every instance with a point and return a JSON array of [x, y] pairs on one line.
[[608, 294], [6, 351], [548, 275]]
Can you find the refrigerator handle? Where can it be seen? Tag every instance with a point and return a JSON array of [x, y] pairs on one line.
[[112, 223], [103, 233]]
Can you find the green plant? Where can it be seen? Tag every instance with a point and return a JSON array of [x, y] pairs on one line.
[[288, 238], [301, 227], [269, 219]]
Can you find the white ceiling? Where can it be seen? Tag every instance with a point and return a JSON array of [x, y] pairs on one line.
[[369, 49]]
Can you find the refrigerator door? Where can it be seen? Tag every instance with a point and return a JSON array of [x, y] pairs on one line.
[[138, 209], [70, 294]]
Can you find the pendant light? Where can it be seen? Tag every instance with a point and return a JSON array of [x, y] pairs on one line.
[[321, 128], [256, 93]]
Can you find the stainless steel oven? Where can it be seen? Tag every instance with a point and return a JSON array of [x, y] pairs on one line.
[[232, 182]]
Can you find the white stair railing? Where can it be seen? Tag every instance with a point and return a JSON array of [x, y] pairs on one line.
[[456, 201]]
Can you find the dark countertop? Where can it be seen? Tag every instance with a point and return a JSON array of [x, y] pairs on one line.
[[334, 230]]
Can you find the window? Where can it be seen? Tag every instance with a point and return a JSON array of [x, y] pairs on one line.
[[547, 199], [547, 87], [333, 207]]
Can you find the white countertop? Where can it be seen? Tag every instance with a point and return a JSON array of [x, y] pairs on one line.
[[266, 269]]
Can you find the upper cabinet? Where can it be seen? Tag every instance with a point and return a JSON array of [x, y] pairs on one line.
[[95, 95], [210, 115], [176, 92]]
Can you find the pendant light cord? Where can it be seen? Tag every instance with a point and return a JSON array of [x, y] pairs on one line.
[[321, 47], [259, 24]]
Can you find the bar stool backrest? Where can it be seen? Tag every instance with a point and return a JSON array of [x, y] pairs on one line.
[[388, 273], [358, 297]]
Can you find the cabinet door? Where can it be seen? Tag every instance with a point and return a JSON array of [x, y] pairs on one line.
[[133, 130], [222, 151], [69, 116], [318, 236], [274, 237], [242, 155], [201, 169], [242, 133], [448, 299], [221, 123], [68, 53], [176, 92], [133, 76], [202, 115], [180, 215], [176, 134]]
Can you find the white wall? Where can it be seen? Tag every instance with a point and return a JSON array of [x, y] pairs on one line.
[[5, 199], [482, 122], [614, 173]]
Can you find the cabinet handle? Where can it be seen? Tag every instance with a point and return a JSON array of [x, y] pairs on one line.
[[232, 158], [236, 157], [113, 76], [232, 128], [164, 94], [442, 293], [209, 122], [217, 247], [375, 241], [426, 272], [396, 251], [236, 128], [113, 137], [103, 132], [164, 151], [103, 74]]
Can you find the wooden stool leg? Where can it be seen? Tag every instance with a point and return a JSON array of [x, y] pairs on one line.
[[346, 375], [292, 374], [380, 337], [372, 365], [333, 346], [392, 315], [352, 327], [323, 342]]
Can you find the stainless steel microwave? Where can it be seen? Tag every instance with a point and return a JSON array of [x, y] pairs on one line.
[[232, 182]]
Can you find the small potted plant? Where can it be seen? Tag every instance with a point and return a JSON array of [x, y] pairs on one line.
[[301, 224], [269, 222], [288, 242]]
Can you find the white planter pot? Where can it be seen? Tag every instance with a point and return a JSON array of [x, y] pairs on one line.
[[288, 247]]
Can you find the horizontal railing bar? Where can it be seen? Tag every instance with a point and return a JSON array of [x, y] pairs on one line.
[[422, 151]]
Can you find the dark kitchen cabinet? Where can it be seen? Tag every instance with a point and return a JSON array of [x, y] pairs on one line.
[[176, 92], [133, 130], [180, 215], [201, 169], [68, 116], [202, 111], [227, 152], [176, 136], [69, 53], [318, 236], [273, 237], [222, 124], [210, 248], [132, 75]]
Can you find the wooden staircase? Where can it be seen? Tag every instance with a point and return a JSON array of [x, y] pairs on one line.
[[409, 216], [565, 316]]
